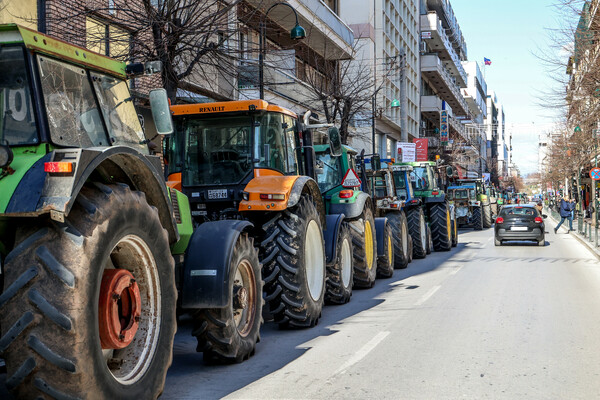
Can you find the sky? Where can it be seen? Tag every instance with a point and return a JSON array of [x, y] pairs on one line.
[[513, 34]]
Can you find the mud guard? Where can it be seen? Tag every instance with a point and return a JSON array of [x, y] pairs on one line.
[[205, 275], [334, 221], [380, 224], [351, 210]]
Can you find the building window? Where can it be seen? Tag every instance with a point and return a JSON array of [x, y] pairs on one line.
[[107, 39], [333, 4]]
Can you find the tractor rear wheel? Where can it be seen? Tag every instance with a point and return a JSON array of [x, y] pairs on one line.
[[441, 226], [397, 221], [385, 262], [230, 334], [365, 249], [293, 256], [340, 274], [454, 233], [477, 219], [89, 304], [487, 216], [418, 231]]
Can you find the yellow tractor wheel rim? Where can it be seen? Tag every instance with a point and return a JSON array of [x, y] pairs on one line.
[[390, 249], [369, 244], [448, 223]]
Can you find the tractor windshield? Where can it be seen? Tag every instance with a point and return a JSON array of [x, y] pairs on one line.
[[17, 116], [223, 150], [400, 184], [329, 172], [420, 179], [217, 150]]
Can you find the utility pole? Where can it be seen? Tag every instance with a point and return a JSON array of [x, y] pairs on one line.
[[403, 97]]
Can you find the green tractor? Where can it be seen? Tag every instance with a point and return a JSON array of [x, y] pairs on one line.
[[392, 193], [485, 209], [90, 235], [428, 186], [372, 240]]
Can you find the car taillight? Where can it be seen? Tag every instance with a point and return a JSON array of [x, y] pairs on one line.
[[499, 220], [346, 194], [539, 220]]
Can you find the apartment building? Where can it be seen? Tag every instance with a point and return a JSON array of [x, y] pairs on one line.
[[387, 34]]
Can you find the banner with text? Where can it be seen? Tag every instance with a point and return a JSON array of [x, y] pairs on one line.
[[444, 129], [422, 146], [406, 152]]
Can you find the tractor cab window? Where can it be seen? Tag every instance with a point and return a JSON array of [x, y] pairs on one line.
[[400, 184], [330, 171], [117, 107], [420, 179], [379, 187], [276, 145], [73, 116], [16, 116], [460, 194], [217, 150]]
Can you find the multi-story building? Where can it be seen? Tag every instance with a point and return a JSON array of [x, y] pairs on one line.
[[475, 96], [491, 131], [503, 144], [387, 33], [443, 50]]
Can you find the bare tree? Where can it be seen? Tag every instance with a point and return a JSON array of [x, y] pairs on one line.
[[197, 41]]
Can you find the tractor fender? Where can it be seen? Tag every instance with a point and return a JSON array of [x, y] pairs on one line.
[[334, 221], [305, 184], [380, 224], [352, 210], [205, 276], [40, 192], [438, 199]]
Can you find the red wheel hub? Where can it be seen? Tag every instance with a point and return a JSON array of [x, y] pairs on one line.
[[119, 308]]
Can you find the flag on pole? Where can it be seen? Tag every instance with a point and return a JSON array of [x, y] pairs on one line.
[[487, 61]]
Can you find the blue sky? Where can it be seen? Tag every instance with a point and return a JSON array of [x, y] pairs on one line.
[[511, 33]]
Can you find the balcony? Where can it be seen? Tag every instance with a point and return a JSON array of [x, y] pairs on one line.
[[433, 69], [326, 33], [431, 108], [449, 22], [440, 43]]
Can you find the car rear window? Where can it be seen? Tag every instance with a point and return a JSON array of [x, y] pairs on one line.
[[529, 211]]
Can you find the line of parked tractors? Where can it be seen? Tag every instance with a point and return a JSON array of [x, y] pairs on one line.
[[99, 255]]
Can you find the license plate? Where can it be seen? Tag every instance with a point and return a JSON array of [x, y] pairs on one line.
[[518, 228], [217, 194]]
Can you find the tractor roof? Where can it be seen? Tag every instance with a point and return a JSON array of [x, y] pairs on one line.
[[38, 42], [467, 186], [229, 107], [420, 163], [396, 167]]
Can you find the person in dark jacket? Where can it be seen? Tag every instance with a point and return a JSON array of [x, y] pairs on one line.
[[566, 208]]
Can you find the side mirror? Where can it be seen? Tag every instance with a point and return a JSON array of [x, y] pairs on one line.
[[544, 216], [335, 142], [449, 172], [153, 67], [161, 112]]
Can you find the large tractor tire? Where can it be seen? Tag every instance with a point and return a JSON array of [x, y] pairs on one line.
[[365, 249], [418, 231], [397, 221], [230, 334], [454, 233], [441, 226], [477, 219], [410, 249], [88, 307], [340, 274], [385, 262], [487, 216], [293, 257]]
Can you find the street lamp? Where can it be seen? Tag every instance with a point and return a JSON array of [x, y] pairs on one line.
[[296, 33]]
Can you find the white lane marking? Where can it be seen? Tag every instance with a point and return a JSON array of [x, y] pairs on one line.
[[362, 352], [427, 295], [455, 270]]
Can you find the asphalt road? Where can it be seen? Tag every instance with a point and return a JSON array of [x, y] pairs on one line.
[[510, 322]]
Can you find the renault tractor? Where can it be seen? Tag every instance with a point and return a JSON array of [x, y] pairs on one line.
[[252, 163]]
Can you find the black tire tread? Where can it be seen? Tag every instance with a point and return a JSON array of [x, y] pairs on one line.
[[385, 266], [438, 214], [477, 219], [396, 220], [364, 277], [414, 217], [335, 292]]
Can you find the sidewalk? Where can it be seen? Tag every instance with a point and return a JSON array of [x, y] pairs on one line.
[[565, 230]]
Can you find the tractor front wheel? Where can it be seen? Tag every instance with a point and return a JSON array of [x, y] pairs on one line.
[[340, 274], [418, 231], [230, 334], [397, 221], [365, 249], [385, 262]]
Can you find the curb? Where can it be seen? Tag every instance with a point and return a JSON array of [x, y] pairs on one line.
[[580, 238]]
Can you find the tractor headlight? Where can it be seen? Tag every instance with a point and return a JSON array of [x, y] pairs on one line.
[[6, 156]]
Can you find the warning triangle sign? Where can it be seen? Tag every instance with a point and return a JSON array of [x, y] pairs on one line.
[[350, 179]]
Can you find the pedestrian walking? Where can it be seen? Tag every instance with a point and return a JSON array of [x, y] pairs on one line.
[[540, 207], [566, 206]]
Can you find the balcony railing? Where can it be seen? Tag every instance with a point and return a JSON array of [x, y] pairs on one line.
[[431, 65]]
